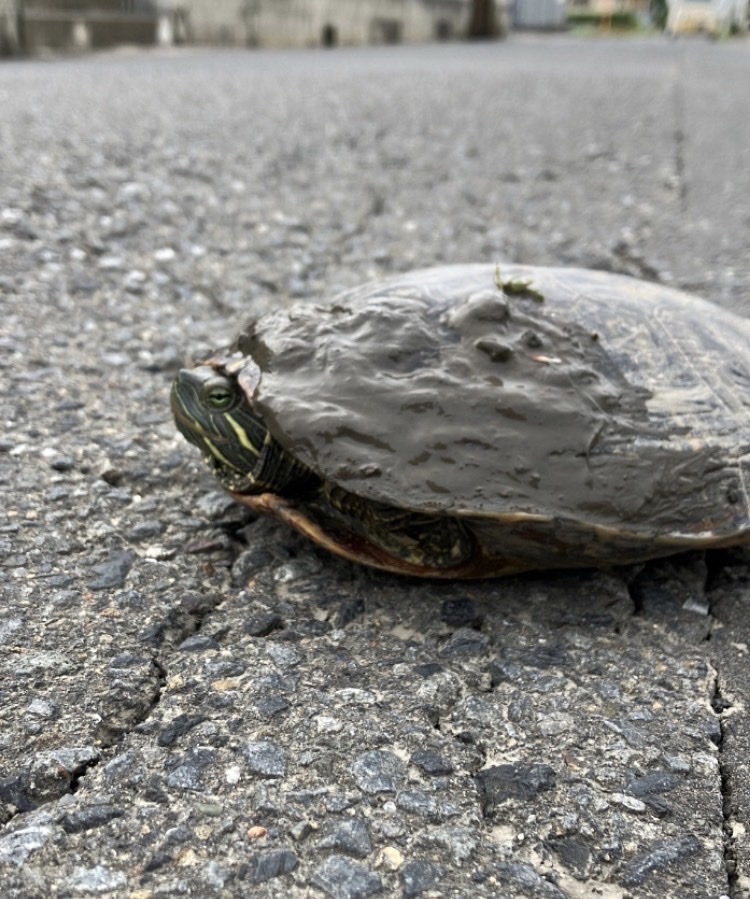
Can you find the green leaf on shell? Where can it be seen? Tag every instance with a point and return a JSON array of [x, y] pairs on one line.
[[517, 287]]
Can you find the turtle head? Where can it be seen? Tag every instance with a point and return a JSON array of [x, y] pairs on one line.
[[211, 409]]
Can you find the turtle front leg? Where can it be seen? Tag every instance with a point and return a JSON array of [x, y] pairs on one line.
[[403, 543], [419, 539]]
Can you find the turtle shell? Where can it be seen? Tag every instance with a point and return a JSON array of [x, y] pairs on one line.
[[570, 416]]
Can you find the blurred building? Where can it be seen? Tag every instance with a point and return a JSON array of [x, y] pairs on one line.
[[542, 15], [610, 8], [309, 23], [80, 24], [9, 37]]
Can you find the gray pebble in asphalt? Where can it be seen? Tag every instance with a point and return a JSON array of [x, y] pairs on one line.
[[113, 571], [378, 771], [265, 758], [418, 876], [341, 878], [351, 837], [273, 863], [661, 854]]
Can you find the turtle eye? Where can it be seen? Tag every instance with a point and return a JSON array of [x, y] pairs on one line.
[[219, 396]]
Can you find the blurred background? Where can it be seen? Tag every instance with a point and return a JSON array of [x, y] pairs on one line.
[[32, 26]]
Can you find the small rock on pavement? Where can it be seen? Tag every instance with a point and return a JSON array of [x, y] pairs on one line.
[[273, 863], [96, 880], [378, 771], [265, 758], [89, 817], [517, 781], [341, 878], [112, 573], [521, 879], [431, 762], [661, 854], [351, 837], [418, 876], [16, 846]]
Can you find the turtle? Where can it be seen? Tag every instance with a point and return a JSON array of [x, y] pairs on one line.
[[469, 421]]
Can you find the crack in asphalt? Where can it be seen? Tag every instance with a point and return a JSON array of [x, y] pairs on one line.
[[180, 623], [18, 790], [720, 704], [679, 131], [716, 563], [78, 775]]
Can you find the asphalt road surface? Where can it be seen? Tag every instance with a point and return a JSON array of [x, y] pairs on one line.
[[194, 704]]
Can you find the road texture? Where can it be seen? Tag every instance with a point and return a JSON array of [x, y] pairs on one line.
[[195, 704]]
